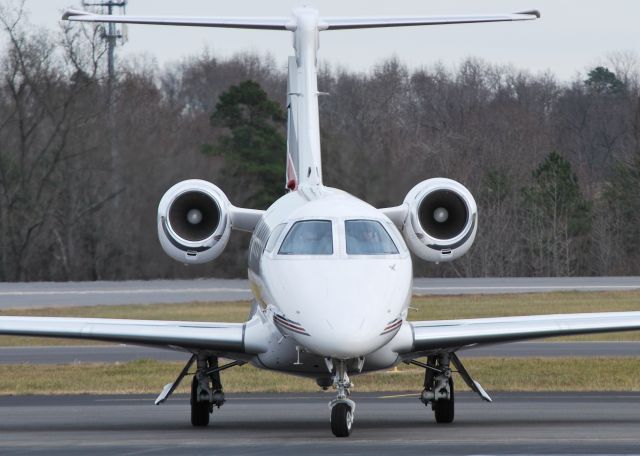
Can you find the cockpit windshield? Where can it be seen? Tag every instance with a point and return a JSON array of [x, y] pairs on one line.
[[368, 237], [308, 237]]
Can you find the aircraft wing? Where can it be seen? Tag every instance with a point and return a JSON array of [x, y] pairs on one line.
[[451, 335], [223, 338]]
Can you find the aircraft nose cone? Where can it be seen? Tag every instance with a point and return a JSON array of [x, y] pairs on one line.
[[346, 341], [344, 306]]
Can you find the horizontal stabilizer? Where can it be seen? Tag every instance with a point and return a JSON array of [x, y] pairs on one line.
[[289, 23], [270, 23], [337, 23]]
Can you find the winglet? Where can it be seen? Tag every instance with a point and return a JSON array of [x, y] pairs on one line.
[[535, 13], [71, 12]]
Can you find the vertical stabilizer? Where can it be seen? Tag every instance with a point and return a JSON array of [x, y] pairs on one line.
[[304, 167]]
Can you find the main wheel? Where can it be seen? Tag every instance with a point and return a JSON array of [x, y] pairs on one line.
[[341, 419], [199, 409], [444, 408]]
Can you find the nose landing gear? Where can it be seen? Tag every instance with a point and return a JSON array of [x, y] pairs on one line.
[[342, 408]]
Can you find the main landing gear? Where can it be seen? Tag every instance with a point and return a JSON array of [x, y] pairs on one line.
[[206, 390], [342, 408], [438, 388], [438, 385]]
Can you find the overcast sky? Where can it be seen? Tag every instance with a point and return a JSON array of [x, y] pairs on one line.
[[571, 36]]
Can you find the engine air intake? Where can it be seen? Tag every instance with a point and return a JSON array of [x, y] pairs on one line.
[[193, 221], [194, 216], [441, 221], [443, 214]]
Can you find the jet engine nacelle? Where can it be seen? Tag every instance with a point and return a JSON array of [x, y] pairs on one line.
[[194, 222], [442, 221]]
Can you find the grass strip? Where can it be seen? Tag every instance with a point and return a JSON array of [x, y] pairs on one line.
[[495, 374], [426, 308]]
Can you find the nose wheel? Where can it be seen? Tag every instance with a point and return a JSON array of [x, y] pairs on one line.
[[341, 419]]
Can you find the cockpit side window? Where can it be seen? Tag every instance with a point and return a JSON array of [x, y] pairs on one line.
[[308, 237], [368, 237], [275, 235]]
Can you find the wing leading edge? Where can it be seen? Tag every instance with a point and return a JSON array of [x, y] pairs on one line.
[[223, 338], [451, 335]]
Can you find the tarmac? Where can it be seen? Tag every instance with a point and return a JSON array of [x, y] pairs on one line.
[[284, 424]]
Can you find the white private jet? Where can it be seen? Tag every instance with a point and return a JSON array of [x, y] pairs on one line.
[[331, 275]]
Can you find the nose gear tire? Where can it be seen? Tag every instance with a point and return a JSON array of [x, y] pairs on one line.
[[341, 420]]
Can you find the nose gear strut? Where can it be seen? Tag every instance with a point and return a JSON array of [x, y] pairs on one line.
[[342, 408]]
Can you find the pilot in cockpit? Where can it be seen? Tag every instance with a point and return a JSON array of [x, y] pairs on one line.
[[362, 239], [311, 237]]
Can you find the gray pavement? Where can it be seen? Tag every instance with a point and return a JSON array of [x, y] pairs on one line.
[[66, 294], [515, 423], [61, 294], [124, 353], [490, 285]]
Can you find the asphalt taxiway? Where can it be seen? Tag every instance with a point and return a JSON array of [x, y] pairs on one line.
[[515, 423], [64, 294]]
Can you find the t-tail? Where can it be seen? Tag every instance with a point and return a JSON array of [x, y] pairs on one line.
[[304, 164]]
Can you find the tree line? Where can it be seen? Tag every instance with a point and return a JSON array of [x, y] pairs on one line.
[[554, 166]]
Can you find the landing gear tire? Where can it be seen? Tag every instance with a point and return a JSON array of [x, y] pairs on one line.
[[341, 420], [444, 408], [200, 410]]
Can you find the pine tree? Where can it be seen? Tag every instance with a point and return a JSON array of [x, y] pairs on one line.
[[556, 218], [252, 143]]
